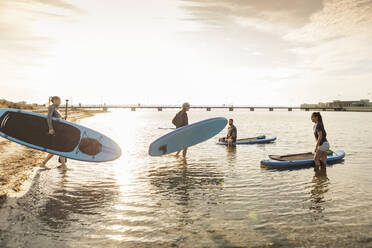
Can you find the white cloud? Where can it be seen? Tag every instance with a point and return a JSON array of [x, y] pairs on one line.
[[336, 20]]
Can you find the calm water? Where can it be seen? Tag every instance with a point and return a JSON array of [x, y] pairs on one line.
[[219, 197]]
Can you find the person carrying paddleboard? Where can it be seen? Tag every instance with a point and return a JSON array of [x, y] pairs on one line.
[[180, 120], [53, 112], [322, 145], [232, 134]]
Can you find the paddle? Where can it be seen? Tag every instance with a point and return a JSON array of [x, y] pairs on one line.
[[66, 108], [252, 138]]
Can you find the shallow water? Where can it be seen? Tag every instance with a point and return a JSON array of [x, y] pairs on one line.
[[218, 197]]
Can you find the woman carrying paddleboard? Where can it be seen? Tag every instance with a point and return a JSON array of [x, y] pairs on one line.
[[322, 145], [53, 112]]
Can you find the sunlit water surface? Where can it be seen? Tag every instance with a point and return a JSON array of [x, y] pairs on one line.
[[218, 197]]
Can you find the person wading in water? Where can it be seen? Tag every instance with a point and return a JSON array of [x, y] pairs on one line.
[[322, 145], [180, 120], [53, 112]]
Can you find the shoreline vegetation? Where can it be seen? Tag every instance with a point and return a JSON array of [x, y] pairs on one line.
[[18, 163], [19, 105]]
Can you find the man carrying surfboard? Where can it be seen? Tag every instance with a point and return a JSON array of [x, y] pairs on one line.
[[53, 112], [180, 120], [232, 134]]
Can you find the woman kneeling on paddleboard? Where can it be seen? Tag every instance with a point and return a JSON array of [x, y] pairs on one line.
[[322, 145], [53, 112]]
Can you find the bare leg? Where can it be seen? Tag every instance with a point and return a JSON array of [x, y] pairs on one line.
[[184, 153], [63, 163], [323, 158], [49, 156], [178, 153], [317, 159]]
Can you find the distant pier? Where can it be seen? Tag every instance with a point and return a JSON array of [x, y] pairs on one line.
[[211, 107]]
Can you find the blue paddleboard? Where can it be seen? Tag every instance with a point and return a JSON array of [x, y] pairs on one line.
[[70, 140], [187, 136], [332, 158], [250, 141]]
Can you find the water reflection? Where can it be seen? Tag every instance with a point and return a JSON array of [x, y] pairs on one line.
[[178, 181], [219, 197], [320, 188], [81, 198], [231, 155], [192, 189]]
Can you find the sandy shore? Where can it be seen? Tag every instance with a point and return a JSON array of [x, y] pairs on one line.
[[18, 164]]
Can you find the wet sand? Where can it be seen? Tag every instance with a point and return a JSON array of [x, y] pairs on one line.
[[18, 164]]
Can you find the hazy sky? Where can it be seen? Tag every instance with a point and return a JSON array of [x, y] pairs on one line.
[[258, 52]]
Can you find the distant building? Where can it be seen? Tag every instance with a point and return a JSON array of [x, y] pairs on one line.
[[363, 103]]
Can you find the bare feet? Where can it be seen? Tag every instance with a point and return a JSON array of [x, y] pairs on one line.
[[63, 167], [43, 165]]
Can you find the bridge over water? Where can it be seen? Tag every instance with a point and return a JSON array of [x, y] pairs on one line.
[[133, 107]]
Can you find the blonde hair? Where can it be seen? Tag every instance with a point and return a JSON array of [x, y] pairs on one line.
[[53, 98]]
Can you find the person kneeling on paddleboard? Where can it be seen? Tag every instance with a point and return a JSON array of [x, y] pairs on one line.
[[53, 112], [232, 134], [180, 120], [322, 145]]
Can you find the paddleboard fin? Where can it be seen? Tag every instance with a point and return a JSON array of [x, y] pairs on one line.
[[163, 149]]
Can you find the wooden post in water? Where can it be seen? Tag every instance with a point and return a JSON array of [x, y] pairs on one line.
[[289, 109], [252, 109], [133, 109], [271, 109], [231, 109], [160, 109], [208, 109]]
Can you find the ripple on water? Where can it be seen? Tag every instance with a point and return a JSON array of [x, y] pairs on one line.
[[218, 197]]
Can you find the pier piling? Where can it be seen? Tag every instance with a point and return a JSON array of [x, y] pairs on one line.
[[229, 108]]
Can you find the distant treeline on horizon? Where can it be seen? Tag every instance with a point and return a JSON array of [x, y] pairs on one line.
[[17, 105]]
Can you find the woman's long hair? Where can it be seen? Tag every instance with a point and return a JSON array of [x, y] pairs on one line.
[[52, 99], [319, 116]]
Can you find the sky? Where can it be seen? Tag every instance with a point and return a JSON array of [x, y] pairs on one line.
[[241, 52]]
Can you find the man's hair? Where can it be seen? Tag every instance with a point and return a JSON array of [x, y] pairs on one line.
[[186, 104], [231, 120]]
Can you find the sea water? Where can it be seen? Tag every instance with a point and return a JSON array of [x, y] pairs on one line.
[[217, 197]]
